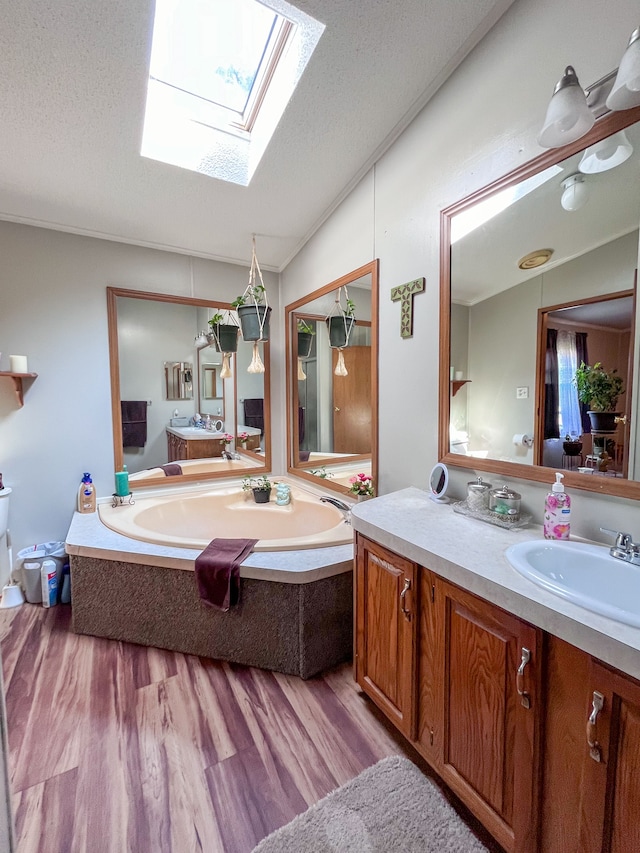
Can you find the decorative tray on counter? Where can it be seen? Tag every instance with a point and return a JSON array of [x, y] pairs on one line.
[[463, 508]]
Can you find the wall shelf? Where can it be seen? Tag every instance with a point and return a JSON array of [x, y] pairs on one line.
[[456, 385], [18, 379]]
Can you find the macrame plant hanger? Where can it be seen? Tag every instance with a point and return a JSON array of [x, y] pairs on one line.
[[256, 365], [348, 321]]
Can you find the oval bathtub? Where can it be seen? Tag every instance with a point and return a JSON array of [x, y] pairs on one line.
[[209, 465], [193, 519]]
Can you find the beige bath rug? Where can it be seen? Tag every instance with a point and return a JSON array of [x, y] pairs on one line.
[[389, 807]]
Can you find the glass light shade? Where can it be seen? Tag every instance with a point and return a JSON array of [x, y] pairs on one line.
[[606, 154], [626, 88], [568, 116], [576, 193]]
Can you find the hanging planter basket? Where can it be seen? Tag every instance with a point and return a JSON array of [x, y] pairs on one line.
[[254, 322], [340, 321], [225, 337], [340, 327], [305, 344]]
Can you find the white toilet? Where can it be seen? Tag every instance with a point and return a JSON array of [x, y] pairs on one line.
[[11, 593], [5, 567]]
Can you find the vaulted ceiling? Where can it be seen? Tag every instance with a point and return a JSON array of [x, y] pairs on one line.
[[73, 78]]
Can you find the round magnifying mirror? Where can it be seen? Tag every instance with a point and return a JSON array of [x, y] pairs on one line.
[[438, 483]]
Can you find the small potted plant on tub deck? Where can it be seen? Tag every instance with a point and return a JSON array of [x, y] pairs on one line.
[[260, 486], [242, 439], [599, 389]]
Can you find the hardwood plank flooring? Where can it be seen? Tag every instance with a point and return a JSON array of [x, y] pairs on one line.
[[115, 747]]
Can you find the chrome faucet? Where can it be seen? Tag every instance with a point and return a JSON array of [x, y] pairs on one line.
[[338, 504], [624, 548]]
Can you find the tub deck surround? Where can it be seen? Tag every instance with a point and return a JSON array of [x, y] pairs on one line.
[[295, 613], [471, 554], [192, 518]]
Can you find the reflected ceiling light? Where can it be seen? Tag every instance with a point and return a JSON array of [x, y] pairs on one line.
[[572, 111], [575, 192], [535, 259], [568, 116], [606, 154], [626, 89]]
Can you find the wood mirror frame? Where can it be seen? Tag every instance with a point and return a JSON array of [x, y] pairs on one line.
[[114, 362], [604, 127], [294, 466]]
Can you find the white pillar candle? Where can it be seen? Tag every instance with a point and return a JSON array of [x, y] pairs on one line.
[[18, 364]]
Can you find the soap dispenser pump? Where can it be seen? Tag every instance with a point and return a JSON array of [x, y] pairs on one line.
[[557, 511]]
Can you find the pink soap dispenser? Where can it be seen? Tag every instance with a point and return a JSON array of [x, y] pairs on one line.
[[557, 511]]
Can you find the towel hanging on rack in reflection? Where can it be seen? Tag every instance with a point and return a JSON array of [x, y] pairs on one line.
[[134, 422]]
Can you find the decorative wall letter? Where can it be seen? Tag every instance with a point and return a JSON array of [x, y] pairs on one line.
[[404, 294]]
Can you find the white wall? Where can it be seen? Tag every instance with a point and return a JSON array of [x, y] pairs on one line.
[[481, 125], [53, 308]]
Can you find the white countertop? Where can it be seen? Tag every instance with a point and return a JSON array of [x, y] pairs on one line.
[[89, 537], [470, 553]]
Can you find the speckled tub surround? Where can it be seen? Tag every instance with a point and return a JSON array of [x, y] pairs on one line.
[[295, 613]]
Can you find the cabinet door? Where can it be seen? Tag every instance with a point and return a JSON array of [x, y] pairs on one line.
[[386, 630], [490, 717], [610, 793]]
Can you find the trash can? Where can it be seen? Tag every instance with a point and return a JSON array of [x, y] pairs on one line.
[[29, 564]]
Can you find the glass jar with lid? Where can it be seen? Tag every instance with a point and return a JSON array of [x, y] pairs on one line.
[[478, 495], [504, 504]]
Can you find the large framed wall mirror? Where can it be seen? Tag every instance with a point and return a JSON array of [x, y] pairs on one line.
[[332, 391], [539, 276], [163, 377]]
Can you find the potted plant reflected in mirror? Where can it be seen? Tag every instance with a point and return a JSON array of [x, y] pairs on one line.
[[599, 389], [253, 313], [305, 338], [224, 336], [340, 325], [260, 486]]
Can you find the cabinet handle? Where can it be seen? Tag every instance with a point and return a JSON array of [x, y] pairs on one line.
[[403, 596], [525, 699], [592, 731]]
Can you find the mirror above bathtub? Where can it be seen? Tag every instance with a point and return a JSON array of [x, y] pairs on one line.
[[332, 409], [539, 273], [161, 378]]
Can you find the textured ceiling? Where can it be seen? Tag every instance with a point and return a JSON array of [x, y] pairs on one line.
[[73, 81]]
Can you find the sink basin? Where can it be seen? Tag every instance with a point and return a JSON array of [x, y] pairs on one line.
[[584, 574]]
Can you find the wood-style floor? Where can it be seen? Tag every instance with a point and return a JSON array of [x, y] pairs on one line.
[[116, 747]]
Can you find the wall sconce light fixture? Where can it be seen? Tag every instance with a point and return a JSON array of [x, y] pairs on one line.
[[572, 110]]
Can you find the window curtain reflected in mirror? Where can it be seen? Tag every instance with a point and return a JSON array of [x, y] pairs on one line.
[[564, 414], [569, 406]]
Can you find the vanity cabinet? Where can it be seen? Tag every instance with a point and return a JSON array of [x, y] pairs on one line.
[[386, 632], [197, 448], [539, 739], [591, 798], [468, 673]]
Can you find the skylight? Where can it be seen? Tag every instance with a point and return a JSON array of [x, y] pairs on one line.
[[222, 73]]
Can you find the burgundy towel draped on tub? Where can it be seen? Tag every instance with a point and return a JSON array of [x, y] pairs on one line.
[[218, 571], [172, 469]]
